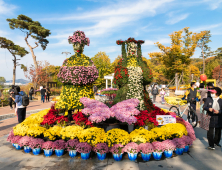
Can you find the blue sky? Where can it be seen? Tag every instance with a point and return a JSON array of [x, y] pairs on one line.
[[104, 22]]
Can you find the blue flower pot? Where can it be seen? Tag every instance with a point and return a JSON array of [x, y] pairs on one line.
[[168, 154], [36, 151], [101, 156], [186, 149], [27, 149], [17, 146], [85, 156], [146, 156], [117, 157], [157, 155], [13, 144], [72, 153], [48, 153], [179, 151], [59, 152], [132, 156]]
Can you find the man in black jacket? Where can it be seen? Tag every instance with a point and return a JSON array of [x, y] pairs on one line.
[[213, 106]]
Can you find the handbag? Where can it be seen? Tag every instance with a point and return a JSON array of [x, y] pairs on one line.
[[205, 121]]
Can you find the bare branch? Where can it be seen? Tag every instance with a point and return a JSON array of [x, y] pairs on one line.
[[36, 45]]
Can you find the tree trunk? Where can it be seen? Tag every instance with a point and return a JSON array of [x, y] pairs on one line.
[[203, 59], [14, 71], [176, 81], [32, 52]]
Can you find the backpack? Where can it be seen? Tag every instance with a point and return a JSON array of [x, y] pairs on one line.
[[25, 100]]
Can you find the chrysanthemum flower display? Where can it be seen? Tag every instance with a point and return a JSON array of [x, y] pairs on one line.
[[77, 75], [117, 136], [93, 136], [71, 132]]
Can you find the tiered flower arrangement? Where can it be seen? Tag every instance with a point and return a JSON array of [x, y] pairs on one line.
[[77, 75]]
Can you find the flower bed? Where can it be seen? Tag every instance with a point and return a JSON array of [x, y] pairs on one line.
[[158, 139]]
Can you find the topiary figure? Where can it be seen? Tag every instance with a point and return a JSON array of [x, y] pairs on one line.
[[132, 74], [77, 75]]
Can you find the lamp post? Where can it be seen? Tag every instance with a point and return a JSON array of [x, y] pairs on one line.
[[66, 53]]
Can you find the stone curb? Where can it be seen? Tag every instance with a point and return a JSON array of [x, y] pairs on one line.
[[11, 115]]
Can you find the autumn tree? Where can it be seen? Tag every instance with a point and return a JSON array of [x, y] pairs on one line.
[[203, 44], [31, 29], [195, 72], [104, 66], [52, 72], [177, 57], [217, 73], [39, 75], [115, 62], [15, 50], [2, 81]]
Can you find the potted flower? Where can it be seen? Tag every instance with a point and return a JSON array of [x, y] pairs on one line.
[[180, 144], [24, 141], [15, 140], [188, 141], [36, 144], [169, 147], [59, 146], [85, 149], [62, 121], [158, 150], [71, 147], [146, 150], [132, 149], [48, 148], [117, 151], [10, 137], [101, 149]]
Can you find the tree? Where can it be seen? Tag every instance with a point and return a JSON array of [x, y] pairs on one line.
[[2, 81], [52, 72], [205, 39], [14, 50], [219, 57], [177, 57], [211, 63], [216, 73], [115, 62], [104, 66], [194, 71], [31, 29], [39, 75]]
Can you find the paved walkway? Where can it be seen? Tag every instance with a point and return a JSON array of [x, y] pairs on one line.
[[6, 125]]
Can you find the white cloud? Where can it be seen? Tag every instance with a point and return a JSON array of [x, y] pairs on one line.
[[175, 18], [6, 8], [162, 41], [206, 27], [213, 4], [112, 17], [79, 9]]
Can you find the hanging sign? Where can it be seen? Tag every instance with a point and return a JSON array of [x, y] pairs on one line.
[[165, 119]]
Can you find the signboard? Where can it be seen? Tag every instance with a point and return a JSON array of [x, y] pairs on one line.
[[165, 119]]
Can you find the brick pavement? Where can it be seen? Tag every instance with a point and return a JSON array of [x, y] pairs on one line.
[[7, 124]]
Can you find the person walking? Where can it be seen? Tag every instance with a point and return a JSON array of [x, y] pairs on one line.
[[48, 92], [43, 93], [31, 92], [21, 110], [155, 92], [162, 94], [203, 95], [12, 93], [213, 106]]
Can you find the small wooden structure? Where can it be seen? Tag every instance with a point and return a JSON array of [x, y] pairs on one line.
[[109, 77]]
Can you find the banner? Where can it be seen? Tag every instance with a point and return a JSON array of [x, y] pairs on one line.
[[165, 119]]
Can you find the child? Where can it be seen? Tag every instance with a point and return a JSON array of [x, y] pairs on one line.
[[213, 106], [162, 94]]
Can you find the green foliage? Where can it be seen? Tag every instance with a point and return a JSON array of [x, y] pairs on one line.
[[12, 48], [210, 67], [203, 43], [31, 28], [121, 94], [109, 92], [103, 65]]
